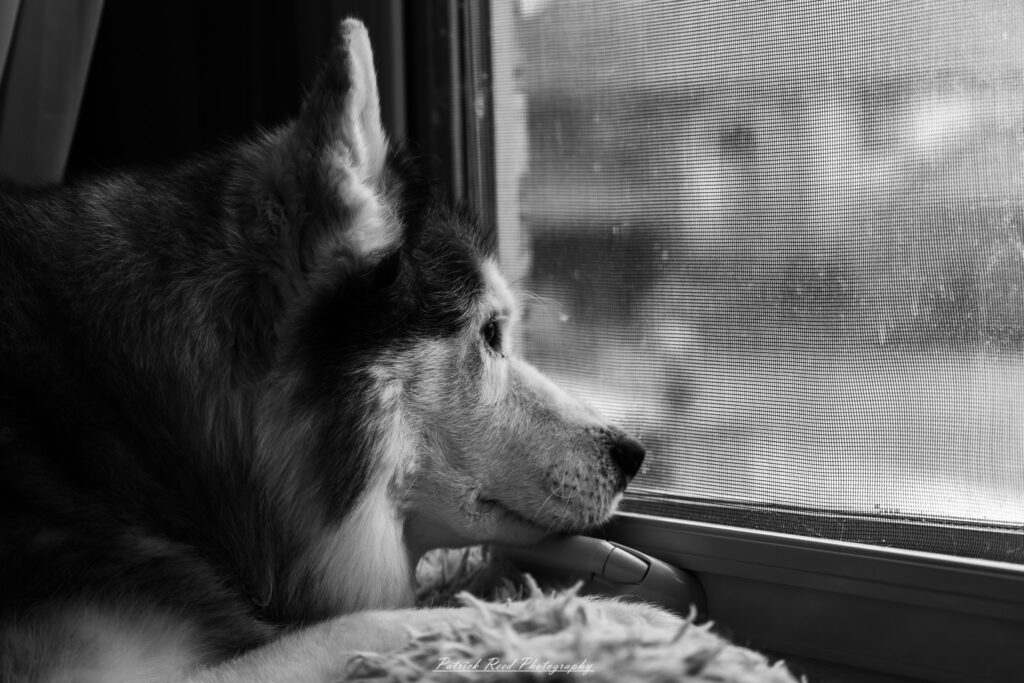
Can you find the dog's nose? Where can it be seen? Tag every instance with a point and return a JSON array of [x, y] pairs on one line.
[[628, 454]]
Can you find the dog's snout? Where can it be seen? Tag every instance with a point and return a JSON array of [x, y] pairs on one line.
[[628, 454]]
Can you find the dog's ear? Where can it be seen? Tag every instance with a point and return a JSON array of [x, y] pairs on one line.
[[336, 152]]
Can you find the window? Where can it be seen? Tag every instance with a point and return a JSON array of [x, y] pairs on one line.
[[784, 244]]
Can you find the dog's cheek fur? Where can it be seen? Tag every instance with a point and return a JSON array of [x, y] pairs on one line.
[[556, 466], [496, 429]]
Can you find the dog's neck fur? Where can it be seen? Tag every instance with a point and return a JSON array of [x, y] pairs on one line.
[[349, 558], [364, 564]]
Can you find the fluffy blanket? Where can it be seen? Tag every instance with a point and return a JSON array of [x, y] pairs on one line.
[[526, 633]]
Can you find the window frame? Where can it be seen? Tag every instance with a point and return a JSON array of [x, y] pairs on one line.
[[833, 609], [449, 113], [898, 612]]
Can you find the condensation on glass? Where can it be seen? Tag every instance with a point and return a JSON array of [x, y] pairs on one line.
[[782, 242]]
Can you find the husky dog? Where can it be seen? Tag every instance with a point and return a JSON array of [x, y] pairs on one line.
[[240, 399]]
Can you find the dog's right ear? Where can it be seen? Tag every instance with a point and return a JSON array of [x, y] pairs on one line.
[[330, 174]]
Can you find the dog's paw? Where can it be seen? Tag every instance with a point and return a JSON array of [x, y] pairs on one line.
[[637, 615]]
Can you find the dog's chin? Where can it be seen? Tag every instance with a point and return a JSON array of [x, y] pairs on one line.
[[483, 521], [505, 524], [493, 520], [490, 519]]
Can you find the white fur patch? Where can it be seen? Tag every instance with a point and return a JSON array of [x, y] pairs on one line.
[[362, 151], [362, 105], [572, 409], [497, 294], [494, 383], [396, 441], [498, 302], [364, 563], [139, 646], [428, 362], [371, 230]]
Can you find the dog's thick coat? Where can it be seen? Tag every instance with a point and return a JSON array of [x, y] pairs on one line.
[[242, 397]]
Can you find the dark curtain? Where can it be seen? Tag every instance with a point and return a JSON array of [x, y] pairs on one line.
[[169, 79], [45, 47]]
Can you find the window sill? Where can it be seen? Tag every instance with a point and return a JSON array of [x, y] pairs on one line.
[[900, 612]]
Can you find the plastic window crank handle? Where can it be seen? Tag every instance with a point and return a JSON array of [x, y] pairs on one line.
[[611, 569]]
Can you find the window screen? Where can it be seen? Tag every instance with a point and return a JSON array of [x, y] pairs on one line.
[[782, 243]]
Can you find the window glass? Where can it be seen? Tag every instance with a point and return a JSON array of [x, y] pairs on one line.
[[782, 243]]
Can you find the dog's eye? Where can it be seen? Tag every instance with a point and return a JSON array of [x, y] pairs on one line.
[[492, 334]]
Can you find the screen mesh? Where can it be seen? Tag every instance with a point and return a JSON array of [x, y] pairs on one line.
[[782, 243]]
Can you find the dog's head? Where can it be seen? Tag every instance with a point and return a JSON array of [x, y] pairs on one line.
[[400, 381]]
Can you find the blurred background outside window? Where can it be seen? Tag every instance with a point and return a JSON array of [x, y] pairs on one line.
[[782, 242]]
